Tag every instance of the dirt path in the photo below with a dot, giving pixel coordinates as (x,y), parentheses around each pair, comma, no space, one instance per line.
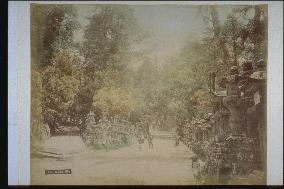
(163,165)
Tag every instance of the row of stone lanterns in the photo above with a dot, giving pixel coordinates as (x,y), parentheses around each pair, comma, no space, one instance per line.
(239,108)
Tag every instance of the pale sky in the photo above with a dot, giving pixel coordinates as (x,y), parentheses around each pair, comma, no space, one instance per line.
(169,26)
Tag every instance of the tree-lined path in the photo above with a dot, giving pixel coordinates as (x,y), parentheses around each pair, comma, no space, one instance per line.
(165,164)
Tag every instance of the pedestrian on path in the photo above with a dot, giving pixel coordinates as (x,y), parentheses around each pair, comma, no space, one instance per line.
(150,141)
(105,140)
(140,142)
(177,140)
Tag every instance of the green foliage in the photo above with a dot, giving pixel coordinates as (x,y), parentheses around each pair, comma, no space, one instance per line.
(61,82)
(69,80)
(107,36)
(50,24)
(114,102)
(185,77)
(111,29)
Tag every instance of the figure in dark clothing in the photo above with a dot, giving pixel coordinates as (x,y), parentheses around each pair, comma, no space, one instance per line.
(177,140)
(178,136)
(140,142)
(150,142)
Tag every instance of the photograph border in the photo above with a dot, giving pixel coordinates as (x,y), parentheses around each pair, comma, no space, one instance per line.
(19,86)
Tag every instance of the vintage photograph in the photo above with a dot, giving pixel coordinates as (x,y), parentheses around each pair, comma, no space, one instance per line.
(125,94)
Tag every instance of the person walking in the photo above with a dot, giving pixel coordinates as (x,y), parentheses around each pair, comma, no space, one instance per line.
(140,142)
(105,142)
(150,141)
(177,136)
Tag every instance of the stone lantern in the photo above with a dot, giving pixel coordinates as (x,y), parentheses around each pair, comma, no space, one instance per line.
(246,97)
(220,127)
(234,103)
(256,113)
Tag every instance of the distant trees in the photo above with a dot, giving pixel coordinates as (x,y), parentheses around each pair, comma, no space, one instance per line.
(107,36)
(184,78)
(114,102)
(69,80)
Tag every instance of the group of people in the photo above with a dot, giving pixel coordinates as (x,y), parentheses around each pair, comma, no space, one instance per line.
(141,141)
(143,133)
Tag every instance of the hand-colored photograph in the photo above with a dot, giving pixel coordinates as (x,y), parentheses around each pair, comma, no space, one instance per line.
(133,94)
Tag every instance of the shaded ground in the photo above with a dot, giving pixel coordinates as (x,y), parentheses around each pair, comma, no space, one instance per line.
(163,165)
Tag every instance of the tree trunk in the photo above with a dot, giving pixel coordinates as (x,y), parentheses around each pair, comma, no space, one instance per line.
(256,35)
(219,38)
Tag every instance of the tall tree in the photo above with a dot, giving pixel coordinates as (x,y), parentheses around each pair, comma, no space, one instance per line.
(52,28)
(48,24)
(231,32)
(110,31)
(62,80)
(220,40)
